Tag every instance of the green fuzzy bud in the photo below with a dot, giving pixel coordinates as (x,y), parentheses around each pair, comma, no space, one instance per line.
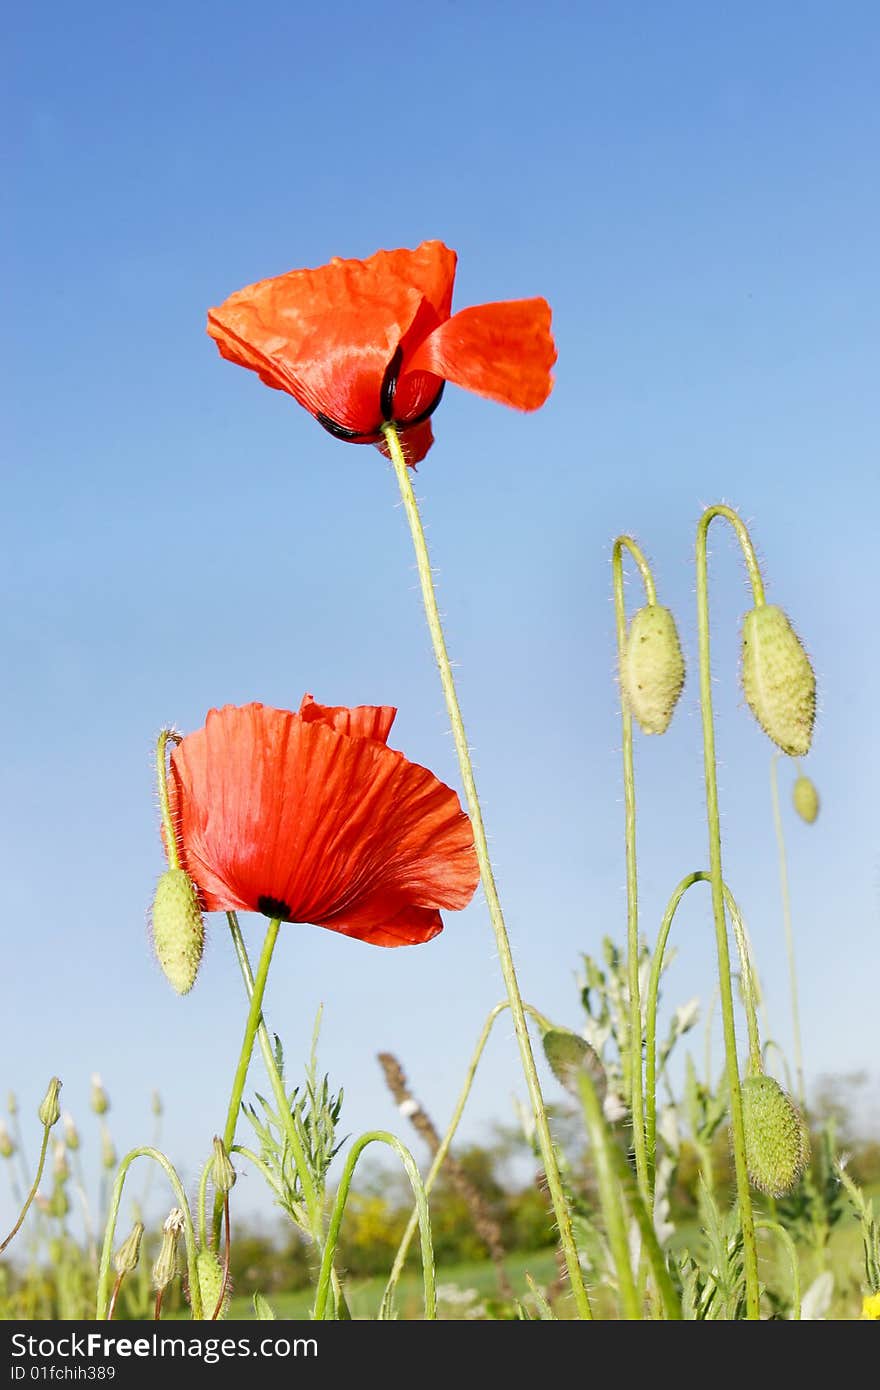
(50,1111)
(210,1273)
(7,1148)
(778,679)
(806,799)
(100,1101)
(568,1055)
(126,1258)
(652,668)
(165,1266)
(222,1170)
(777,1139)
(178,929)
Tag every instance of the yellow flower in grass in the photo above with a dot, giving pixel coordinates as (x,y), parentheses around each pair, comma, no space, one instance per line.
(871,1306)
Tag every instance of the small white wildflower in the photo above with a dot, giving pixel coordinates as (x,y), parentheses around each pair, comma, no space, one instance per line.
(408,1108)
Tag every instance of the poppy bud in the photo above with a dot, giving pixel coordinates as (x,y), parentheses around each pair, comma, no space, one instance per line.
(7,1148)
(166,1261)
(778,679)
(126,1258)
(71,1134)
(210,1273)
(178,929)
(50,1111)
(777,1139)
(568,1055)
(806,799)
(100,1101)
(222,1170)
(652,668)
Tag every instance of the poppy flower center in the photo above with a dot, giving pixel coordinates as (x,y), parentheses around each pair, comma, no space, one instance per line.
(274,907)
(386,407)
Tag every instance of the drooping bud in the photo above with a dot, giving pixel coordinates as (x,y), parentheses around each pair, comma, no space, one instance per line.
(568,1055)
(806,799)
(50,1110)
(166,1261)
(100,1101)
(777,1139)
(126,1258)
(210,1273)
(778,679)
(652,668)
(222,1170)
(178,929)
(71,1133)
(7,1147)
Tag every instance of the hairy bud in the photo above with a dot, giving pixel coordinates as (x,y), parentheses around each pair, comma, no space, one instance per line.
(178,929)
(652,668)
(777,1140)
(778,679)
(806,799)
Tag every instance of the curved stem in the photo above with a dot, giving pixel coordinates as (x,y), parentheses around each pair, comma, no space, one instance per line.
(412,1172)
(782,1233)
(33,1192)
(789,933)
(435,627)
(745,544)
(633,1060)
(110,1231)
(227,1249)
(750,1254)
(258,1164)
(254,1018)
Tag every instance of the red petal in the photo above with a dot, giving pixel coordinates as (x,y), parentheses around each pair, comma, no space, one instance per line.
(272,808)
(408,927)
(364,721)
(326,336)
(503,351)
(416,442)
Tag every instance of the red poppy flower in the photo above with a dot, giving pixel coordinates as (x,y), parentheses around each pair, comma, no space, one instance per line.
(312,818)
(361,343)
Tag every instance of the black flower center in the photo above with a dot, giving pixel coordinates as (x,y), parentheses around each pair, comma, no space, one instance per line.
(274,907)
(386,406)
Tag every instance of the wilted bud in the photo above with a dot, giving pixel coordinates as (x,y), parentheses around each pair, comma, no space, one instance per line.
(100,1101)
(156,1104)
(60,1166)
(778,679)
(50,1111)
(652,668)
(129,1252)
(108,1150)
(166,1261)
(568,1055)
(806,799)
(222,1170)
(71,1133)
(777,1140)
(178,929)
(211,1283)
(7,1148)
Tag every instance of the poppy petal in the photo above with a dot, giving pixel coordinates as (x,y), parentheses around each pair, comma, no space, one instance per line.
(415,442)
(503,351)
(364,721)
(287,816)
(410,926)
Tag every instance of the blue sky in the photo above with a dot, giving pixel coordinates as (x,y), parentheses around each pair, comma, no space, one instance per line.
(694,190)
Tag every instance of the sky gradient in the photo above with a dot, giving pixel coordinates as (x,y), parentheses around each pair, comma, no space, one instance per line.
(695,192)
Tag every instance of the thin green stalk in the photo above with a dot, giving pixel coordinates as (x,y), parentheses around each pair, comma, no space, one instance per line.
(750,1254)
(412,1172)
(435,627)
(633,1060)
(747,977)
(789,933)
(33,1192)
(610,1197)
(110,1232)
(254,1019)
(170,835)
(782,1233)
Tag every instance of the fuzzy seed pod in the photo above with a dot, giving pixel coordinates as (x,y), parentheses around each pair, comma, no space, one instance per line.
(778,679)
(806,799)
(50,1111)
(568,1055)
(178,929)
(126,1258)
(652,668)
(777,1139)
(210,1284)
